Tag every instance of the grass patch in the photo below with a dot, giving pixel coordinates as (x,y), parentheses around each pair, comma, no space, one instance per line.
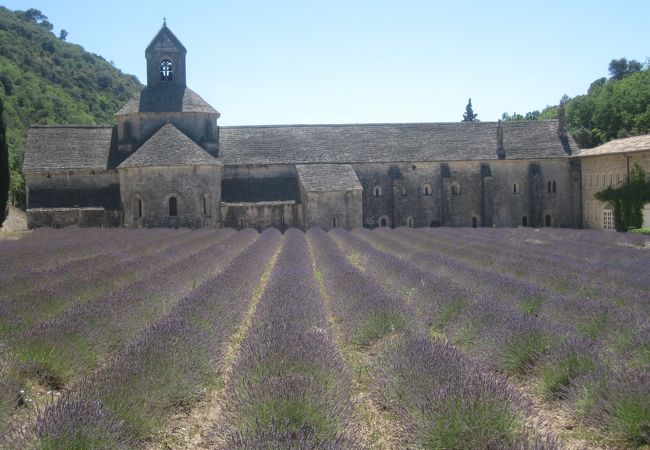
(530,305)
(476,424)
(594,327)
(521,351)
(557,375)
(449,311)
(378,325)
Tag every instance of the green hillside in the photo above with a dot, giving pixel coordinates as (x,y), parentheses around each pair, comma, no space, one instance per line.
(614,107)
(45,80)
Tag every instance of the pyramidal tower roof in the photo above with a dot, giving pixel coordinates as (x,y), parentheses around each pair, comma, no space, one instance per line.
(165,40)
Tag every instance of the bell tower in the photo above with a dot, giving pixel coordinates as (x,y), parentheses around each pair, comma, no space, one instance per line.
(165,60)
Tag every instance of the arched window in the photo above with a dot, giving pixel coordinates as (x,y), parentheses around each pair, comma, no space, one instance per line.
(547,220)
(524,221)
(554,187)
(474,222)
(383,221)
(515,188)
(410,222)
(282,220)
(173,207)
(207,205)
(376,191)
(166,70)
(242,222)
(426,189)
(137,207)
(455,188)
(548,187)
(334,222)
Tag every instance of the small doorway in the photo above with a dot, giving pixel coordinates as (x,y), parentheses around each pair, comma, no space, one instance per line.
(524,221)
(173,207)
(547,220)
(383,222)
(474,222)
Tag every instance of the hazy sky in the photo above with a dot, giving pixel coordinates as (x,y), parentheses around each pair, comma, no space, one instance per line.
(279,62)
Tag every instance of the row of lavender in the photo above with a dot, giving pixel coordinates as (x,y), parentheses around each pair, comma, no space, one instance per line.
(441,398)
(289,386)
(57,352)
(569,345)
(168,366)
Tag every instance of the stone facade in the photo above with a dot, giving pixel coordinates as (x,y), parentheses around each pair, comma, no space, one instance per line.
(167,163)
(610,165)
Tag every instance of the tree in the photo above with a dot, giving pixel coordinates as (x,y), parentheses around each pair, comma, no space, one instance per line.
(628,200)
(4,166)
(469,115)
(63,35)
(620,68)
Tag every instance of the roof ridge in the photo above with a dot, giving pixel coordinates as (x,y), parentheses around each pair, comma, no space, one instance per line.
(70,126)
(373,124)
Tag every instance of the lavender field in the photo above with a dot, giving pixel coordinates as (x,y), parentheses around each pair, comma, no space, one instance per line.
(383,339)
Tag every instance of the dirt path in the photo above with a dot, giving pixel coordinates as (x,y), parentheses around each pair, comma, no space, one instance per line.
(193,429)
(15,225)
(376,429)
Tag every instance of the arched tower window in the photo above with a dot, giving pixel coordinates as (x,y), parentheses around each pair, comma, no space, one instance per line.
(455,188)
(376,191)
(426,189)
(173,207)
(554,187)
(166,70)
(334,222)
(515,188)
(409,222)
(549,187)
(242,223)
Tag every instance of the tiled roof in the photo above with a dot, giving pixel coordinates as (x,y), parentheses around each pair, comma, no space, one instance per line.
(69,147)
(327,177)
(389,142)
(166,99)
(163,40)
(625,145)
(169,147)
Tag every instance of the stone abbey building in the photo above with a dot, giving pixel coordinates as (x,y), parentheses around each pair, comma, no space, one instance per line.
(168,163)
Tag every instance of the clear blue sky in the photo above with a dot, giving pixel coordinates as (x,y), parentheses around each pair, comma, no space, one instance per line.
(277,62)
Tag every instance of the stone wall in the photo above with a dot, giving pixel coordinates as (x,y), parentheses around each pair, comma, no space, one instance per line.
(330,209)
(66,217)
(468,193)
(600,172)
(197,190)
(262,215)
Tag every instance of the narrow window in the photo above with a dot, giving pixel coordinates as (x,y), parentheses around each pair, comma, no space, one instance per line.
(377,191)
(173,210)
(547,220)
(455,188)
(549,187)
(427,190)
(409,222)
(205,206)
(333,222)
(515,188)
(166,70)
(554,187)
(404,192)
(242,223)
(474,222)
(282,220)
(139,207)
(524,221)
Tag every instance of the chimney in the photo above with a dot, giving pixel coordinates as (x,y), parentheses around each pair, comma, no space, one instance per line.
(501,152)
(561,123)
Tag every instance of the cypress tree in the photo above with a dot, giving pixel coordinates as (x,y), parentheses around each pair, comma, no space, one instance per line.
(4,166)
(469,115)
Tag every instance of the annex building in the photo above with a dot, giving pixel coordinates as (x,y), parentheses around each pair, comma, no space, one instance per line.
(168,163)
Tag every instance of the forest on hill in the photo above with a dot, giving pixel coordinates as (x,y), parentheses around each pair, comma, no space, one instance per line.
(46,80)
(614,107)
